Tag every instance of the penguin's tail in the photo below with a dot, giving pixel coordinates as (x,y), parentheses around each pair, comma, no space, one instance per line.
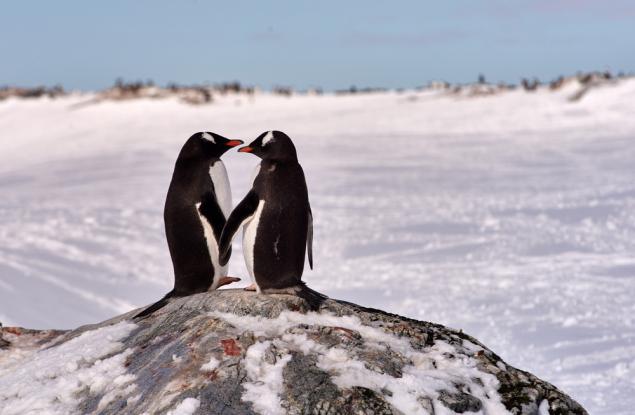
(154,307)
(312,297)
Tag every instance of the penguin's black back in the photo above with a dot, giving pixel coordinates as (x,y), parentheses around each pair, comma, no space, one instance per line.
(193,269)
(281,235)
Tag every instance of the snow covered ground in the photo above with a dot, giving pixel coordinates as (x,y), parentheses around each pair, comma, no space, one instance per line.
(510,216)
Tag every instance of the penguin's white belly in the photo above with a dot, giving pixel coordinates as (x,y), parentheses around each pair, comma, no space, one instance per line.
(218,174)
(212,247)
(250,227)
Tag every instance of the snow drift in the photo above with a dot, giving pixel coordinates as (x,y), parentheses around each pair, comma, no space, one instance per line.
(510,215)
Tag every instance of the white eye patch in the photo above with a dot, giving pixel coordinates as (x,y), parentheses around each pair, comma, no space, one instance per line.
(267,138)
(208,137)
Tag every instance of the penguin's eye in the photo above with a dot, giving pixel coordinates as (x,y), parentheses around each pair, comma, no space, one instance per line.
(208,137)
(267,138)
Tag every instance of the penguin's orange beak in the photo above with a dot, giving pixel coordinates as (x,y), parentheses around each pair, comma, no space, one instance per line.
(233,143)
(246,149)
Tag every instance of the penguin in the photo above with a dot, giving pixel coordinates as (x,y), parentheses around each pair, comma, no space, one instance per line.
(196,207)
(276,219)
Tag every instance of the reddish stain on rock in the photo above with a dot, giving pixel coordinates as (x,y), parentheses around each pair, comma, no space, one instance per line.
(350,333)
(13,330)
(230,347)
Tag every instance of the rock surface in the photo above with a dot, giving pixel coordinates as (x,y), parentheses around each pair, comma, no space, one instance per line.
(236,352)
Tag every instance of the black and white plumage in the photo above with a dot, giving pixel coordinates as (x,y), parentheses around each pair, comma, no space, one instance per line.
(196,207)
(276,219)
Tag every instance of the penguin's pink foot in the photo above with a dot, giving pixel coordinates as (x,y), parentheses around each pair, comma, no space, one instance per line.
(251,287)
(227,280)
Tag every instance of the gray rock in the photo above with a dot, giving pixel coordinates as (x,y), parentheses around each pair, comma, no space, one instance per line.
(346,359)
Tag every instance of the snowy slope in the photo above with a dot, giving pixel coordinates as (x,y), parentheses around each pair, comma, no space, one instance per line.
(511,216)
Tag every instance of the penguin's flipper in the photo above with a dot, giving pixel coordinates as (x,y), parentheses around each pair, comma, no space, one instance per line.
(309,238)
(211,210)
(242,212)
(154,307)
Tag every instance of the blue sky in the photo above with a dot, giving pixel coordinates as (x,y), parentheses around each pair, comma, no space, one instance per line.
(332,44)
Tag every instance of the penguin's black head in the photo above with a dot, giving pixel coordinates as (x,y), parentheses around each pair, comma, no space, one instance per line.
(207,145)
(272,145)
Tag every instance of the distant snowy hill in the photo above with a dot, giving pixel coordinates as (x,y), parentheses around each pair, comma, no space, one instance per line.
(510,215)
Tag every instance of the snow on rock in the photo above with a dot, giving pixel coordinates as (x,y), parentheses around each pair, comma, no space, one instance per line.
(265,381)
(543,409)
(187,407)
(238,352)
(427,373)
(211,365)
(53,378)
